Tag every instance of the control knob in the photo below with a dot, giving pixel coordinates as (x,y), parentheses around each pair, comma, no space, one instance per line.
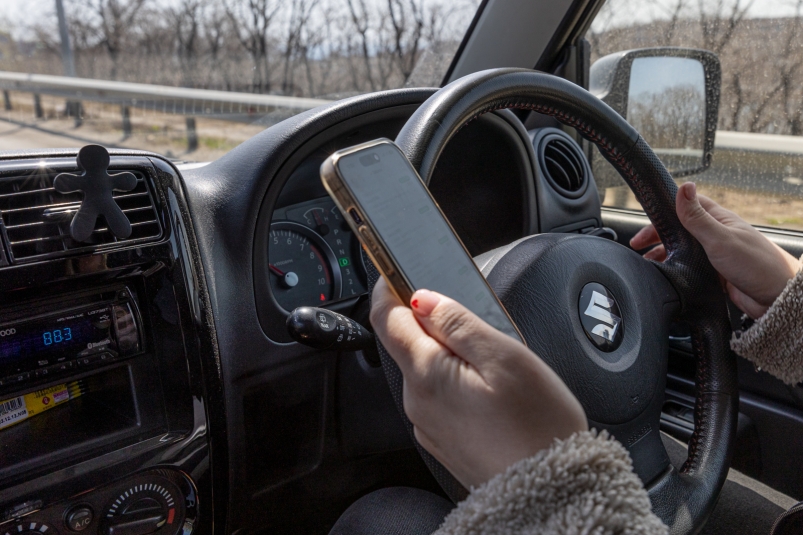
(147,505)
(29,528)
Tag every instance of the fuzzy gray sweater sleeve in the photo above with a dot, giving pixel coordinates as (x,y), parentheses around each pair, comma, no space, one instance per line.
(774,342)
(582,485)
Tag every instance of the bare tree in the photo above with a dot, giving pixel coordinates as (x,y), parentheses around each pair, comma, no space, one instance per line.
(298,19)
(114,20)
(673,118)
(318,38)
(407,21)
(362,22)
(435,30)
(775,106)
(213,30)
(299,47)
(788,66)
(601,31)
(719,24)
(674,11)
(186,23)
(738,104)
(757,122)
(251,21)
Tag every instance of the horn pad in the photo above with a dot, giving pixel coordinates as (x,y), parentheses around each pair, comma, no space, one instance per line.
(541,281)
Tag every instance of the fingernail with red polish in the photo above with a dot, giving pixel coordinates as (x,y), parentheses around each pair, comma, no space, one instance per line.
(690,191)
(424,302)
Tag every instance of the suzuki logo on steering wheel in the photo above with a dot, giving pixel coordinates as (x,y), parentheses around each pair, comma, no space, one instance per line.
(600,317)
(600,308)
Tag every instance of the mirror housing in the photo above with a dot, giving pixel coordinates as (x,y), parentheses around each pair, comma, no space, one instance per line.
(691,87)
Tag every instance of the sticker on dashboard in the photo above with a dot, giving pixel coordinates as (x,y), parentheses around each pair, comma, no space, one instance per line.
(19,409)
(12,411)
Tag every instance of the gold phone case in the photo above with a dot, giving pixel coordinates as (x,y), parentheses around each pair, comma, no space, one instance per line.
(366,233)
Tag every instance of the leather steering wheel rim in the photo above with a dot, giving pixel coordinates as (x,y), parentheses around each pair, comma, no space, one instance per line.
(683,498)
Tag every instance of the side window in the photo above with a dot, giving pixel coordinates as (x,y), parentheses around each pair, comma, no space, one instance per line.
(757,169)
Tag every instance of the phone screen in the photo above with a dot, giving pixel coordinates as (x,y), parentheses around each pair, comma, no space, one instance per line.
(415,232)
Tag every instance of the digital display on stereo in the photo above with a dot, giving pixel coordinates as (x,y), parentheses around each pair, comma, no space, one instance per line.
(66,336)
(53,336)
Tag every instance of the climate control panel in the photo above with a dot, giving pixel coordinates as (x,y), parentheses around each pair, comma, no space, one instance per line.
(158,502)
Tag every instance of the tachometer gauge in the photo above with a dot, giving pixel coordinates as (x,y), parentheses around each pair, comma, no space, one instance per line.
(303,269)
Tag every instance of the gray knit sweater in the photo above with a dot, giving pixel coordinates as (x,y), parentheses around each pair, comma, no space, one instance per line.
(775,341)
(585,485)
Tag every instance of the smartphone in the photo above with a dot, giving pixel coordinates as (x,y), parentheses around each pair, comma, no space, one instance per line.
(404,231)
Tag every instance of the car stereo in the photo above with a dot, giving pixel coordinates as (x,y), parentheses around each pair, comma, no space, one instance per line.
(37,347)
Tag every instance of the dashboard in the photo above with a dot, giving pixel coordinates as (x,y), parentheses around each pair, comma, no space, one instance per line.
(488,182)
(176,401)
(103,415)
(314,257)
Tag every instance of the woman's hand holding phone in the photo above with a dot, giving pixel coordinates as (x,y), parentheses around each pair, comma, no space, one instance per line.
(479,400)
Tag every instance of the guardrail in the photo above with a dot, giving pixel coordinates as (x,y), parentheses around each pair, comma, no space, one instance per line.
(166,99)
(756,162)
(747,141)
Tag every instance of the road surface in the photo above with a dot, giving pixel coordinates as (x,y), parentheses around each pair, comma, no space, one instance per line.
(16,137)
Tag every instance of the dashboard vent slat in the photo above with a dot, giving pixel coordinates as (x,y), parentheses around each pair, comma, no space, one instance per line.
(40,207)
(563,164)
(36,218)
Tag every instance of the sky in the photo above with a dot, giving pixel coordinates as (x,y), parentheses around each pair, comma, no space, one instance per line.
(655,75)
(630,11)
(12,11)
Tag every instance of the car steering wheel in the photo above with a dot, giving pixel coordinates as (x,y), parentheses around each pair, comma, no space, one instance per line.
(596,311)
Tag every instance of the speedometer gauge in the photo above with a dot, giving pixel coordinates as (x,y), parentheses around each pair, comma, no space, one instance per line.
(303,269)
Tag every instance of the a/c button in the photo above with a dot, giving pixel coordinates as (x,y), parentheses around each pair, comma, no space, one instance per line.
(79,517)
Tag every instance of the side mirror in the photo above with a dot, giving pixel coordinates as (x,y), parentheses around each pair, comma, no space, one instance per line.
(670,95)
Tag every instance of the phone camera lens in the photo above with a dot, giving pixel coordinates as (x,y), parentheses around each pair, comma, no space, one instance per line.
(369,159)
(355,216)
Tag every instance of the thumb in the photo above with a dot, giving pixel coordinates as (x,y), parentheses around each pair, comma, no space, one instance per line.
(695,218)
(457,328)
(745,303)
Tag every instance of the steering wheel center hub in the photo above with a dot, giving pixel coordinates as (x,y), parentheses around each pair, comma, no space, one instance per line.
(595,312)
(601,317)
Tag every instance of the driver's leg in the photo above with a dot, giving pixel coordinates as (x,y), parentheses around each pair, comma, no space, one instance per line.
(394,511)
(745,506)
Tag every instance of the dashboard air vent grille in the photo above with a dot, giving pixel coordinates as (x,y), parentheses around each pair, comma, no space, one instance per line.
(36,217)
(564,166)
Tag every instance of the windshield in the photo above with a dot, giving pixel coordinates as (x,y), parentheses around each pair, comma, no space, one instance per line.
(192,79)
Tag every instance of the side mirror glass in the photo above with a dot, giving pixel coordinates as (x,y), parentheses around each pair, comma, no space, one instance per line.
(670,95)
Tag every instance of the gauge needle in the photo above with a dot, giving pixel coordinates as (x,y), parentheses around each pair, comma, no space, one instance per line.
(289,279)
(317,217)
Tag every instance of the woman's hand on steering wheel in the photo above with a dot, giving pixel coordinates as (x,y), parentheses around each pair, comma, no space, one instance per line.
(754,270)
(479,400)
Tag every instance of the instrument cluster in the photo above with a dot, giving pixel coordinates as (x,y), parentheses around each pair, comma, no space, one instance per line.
(314,257)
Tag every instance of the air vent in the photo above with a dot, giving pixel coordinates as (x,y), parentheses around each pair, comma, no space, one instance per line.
(564,165)
(37,218)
